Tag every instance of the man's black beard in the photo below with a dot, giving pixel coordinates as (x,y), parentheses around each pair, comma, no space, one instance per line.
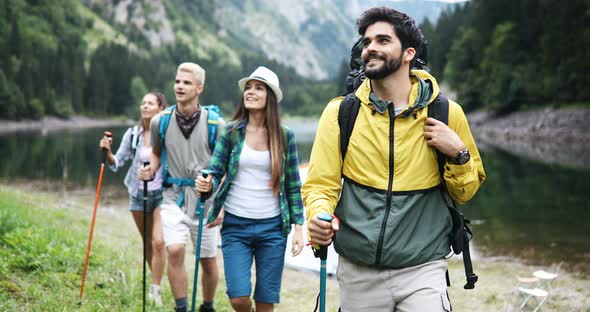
(385,70)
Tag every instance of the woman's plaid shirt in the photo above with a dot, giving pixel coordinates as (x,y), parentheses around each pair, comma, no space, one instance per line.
(225,160)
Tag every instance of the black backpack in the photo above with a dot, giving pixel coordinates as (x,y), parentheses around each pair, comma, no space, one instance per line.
(349,108)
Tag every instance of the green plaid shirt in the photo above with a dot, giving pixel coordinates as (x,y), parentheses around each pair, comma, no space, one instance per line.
(225,161)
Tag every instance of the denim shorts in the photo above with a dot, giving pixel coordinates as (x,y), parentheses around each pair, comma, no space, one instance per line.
(243,240)
(154,200)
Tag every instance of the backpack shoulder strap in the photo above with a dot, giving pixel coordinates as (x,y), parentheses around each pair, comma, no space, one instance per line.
(347,113)
(460,232)
(165,121)
(213,116)
(439,110)
(134,138)
(165,116)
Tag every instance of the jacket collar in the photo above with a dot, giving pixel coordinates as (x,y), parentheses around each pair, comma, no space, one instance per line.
(424,91)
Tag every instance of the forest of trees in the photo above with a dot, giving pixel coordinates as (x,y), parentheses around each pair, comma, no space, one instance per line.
(46,68)
(505,55)
(499,55)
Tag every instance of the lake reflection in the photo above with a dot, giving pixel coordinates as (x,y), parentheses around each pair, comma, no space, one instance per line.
(525,209)
(532,210)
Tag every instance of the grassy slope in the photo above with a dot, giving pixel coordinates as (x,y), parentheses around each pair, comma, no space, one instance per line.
(43,238)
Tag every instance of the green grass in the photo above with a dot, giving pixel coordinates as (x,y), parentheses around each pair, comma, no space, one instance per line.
(42,256)
(43,238)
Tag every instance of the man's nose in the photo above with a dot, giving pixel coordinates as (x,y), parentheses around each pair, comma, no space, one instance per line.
(371,46)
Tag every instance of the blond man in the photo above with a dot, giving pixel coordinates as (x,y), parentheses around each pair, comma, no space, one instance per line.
(180,140)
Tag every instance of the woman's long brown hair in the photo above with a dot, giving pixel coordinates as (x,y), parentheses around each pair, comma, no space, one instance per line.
(272,122)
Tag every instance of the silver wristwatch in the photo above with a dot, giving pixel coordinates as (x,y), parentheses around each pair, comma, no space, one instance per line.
(461,158)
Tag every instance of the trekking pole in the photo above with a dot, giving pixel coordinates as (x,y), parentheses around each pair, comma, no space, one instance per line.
(96,198)
(145,226)
(201,211)
(323,256)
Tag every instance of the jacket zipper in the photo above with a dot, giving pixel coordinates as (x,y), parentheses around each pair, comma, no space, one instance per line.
(389,186)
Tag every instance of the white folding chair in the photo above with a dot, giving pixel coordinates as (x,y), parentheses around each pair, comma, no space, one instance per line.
(538,291)
(536,294)
(545,278)
(515,294)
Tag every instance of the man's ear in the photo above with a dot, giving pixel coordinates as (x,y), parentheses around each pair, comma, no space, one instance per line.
(409,54)
(199,89)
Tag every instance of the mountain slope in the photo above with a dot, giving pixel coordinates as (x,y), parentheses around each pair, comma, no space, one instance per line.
(313,37)
(303,34)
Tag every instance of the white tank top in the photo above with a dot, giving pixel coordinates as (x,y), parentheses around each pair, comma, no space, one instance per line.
(250,195)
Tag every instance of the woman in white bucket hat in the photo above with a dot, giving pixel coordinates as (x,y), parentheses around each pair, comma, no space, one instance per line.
(260,194)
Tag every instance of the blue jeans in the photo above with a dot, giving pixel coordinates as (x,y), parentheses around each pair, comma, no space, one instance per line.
(244,239)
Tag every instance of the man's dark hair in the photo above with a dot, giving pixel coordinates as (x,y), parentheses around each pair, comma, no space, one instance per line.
(405,27)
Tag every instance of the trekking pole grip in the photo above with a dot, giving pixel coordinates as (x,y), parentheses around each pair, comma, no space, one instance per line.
(103,158)
(145,164)
(324,216)
(204,174)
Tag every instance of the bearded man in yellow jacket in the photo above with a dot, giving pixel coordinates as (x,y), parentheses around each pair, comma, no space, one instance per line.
(393,224)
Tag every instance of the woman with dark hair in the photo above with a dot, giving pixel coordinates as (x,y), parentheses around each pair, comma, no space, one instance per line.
(135,146)
(260,194)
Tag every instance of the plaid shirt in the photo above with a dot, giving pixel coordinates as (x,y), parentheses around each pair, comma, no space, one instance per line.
(226,158)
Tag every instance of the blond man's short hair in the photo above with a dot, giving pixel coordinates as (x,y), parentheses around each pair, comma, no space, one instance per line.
(195,69)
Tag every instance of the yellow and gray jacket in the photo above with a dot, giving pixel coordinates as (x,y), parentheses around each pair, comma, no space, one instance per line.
(386,190)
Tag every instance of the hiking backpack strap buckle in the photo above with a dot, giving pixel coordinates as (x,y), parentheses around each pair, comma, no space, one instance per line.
(182,183)
(471,280)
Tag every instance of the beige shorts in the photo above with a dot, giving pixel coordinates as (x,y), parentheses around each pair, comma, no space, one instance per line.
(417,288)
(177,226)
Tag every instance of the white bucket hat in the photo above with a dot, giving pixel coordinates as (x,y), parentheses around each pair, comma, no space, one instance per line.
(268,77)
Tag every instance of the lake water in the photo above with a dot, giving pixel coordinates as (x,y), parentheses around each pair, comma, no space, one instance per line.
(535,212)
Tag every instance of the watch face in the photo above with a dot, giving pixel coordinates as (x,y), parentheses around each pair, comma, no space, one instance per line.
(463,157)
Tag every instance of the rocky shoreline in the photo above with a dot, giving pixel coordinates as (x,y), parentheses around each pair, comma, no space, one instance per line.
(553,136)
